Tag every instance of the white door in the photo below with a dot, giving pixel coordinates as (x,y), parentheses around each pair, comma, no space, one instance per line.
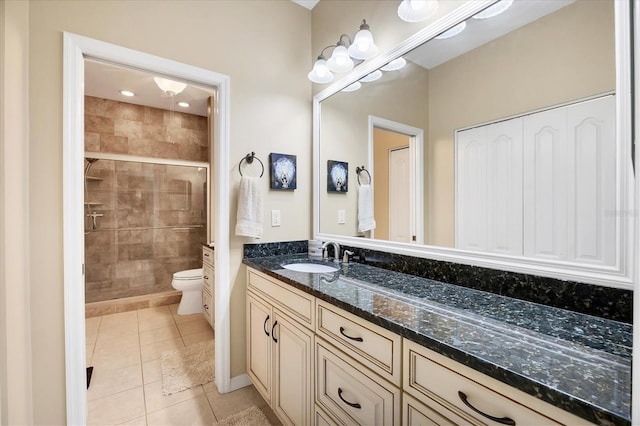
(400,218)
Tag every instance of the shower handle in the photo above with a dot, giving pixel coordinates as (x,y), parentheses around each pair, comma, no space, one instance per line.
(93,217)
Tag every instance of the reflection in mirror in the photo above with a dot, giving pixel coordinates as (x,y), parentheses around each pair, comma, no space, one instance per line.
(534,57)
(530,189)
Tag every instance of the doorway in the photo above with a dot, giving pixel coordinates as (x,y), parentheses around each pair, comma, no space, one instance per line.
(76,50)
(396,158)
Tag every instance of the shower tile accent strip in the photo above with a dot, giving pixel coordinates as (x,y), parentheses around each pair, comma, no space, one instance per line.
(605,302)
(577,362)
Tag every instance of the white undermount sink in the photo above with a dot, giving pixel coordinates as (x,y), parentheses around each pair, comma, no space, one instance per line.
(313,268)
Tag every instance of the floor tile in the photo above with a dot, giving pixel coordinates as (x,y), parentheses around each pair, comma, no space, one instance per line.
(151,371)
(111,358)
(159,334)
(108,382)
(179,319)
(191,339)
(155,312)
(140,421)
(119,320)
(119,341)
(155,400)
(230,403)
(151,323)
(118,408)
(154,350)
(195,326)
(194,411)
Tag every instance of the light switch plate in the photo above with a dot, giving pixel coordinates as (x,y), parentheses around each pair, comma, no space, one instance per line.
(275,217)
(342,216)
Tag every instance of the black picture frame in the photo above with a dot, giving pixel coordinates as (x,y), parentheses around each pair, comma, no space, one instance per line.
(337,176)
(283,171)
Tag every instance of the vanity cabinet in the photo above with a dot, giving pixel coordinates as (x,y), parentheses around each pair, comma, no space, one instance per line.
(437,387)
(280,347)
(208,284)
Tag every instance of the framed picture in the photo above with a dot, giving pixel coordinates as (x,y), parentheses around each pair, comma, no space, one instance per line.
(337,176)
(283,171)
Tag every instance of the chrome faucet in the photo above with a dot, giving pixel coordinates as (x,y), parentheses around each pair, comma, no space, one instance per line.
(336,250)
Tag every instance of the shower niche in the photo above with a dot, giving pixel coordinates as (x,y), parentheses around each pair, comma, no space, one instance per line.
(143,222)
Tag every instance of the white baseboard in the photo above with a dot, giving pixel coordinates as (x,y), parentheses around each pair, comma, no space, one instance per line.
(239,382)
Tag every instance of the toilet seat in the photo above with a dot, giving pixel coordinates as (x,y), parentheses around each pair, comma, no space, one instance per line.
(189,274)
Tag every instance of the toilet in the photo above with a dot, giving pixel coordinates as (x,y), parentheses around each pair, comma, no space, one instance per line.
(189,282)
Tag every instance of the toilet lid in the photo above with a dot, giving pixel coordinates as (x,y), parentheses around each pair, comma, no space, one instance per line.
(189,274)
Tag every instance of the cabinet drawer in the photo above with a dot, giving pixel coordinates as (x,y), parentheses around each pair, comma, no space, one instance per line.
(375,347)
(320,418)
(351,393)
(428,374)
(207,255)
(207,306)
(415,413)
(208,277)
(294,302)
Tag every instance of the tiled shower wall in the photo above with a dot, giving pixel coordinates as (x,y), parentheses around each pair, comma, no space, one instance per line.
(154,215)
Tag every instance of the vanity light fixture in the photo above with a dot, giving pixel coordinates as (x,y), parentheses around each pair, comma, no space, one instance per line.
(184,104)
(417,10)
(127,93)
(346,54)
(395,65)
(493,10)
(169,87)
(371,77)
(452,32)
(352,87)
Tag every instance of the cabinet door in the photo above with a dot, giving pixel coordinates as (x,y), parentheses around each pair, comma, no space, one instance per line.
(259,328)
(292,375)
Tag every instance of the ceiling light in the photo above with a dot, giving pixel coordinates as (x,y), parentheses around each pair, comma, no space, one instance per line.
(371,77)
(452,32)
(127,93)
(352,87)
(169,87)
(493,10)
(363,46)
(417,10)
(394,65)
(184,104)
(320,72)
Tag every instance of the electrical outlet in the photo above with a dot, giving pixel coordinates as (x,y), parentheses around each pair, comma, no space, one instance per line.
(342,216)
(275,217)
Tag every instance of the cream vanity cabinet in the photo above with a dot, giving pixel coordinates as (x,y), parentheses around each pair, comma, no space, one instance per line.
(208,284)
(280,321)
(440,391)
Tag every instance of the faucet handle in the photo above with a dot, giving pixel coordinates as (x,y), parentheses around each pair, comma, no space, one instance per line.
(345,257)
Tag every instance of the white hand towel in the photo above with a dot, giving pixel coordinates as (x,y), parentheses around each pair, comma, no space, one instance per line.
(366,222)
(250,214)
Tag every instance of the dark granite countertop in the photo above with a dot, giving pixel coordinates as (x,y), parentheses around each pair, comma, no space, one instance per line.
(574,361)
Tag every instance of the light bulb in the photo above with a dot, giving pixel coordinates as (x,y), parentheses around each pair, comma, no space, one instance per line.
(417,10)
(320,72)
(363,46)
(340,60)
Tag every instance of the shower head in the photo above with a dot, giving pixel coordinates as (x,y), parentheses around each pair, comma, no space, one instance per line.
(91,160)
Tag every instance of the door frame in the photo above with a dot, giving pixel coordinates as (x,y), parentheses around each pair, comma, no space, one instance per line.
(76,49)
(416,157)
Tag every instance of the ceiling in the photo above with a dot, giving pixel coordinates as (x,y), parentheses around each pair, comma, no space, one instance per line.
(309,4)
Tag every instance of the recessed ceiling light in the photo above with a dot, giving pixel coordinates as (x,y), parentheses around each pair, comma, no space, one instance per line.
(184,104)
(493,10)
(452,32)
(127,93)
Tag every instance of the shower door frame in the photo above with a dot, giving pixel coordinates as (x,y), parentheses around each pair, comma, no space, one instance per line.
(76,49)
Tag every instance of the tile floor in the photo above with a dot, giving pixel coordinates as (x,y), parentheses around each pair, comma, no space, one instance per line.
(126,385)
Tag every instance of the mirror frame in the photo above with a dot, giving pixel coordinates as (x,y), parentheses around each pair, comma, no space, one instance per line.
(619,275)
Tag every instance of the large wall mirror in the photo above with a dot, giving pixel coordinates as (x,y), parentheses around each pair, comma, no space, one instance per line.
(507,145)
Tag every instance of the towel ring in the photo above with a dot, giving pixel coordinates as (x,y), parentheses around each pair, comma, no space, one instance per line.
(362,169)
(249,159)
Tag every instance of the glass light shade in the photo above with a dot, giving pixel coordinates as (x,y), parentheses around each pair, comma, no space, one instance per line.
(417,10)
(352,87)
(363,46)
(320,72)
(371,77)
(127,93)
(493,10)
(452,32)
(169,87)
(394,65)
(340,61)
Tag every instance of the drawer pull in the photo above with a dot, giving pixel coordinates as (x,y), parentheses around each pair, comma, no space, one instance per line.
(273,336)
(351,404)
(205,277)
(264,326)
(501,420)
(206,307)
(357,339)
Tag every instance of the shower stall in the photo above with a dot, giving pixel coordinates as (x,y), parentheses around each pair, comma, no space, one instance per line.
(144,220)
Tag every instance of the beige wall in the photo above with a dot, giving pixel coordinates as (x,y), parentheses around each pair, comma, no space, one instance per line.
(270,111)
(565,56)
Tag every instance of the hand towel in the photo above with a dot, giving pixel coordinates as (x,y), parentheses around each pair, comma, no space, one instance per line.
(366,222)
(250,214)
